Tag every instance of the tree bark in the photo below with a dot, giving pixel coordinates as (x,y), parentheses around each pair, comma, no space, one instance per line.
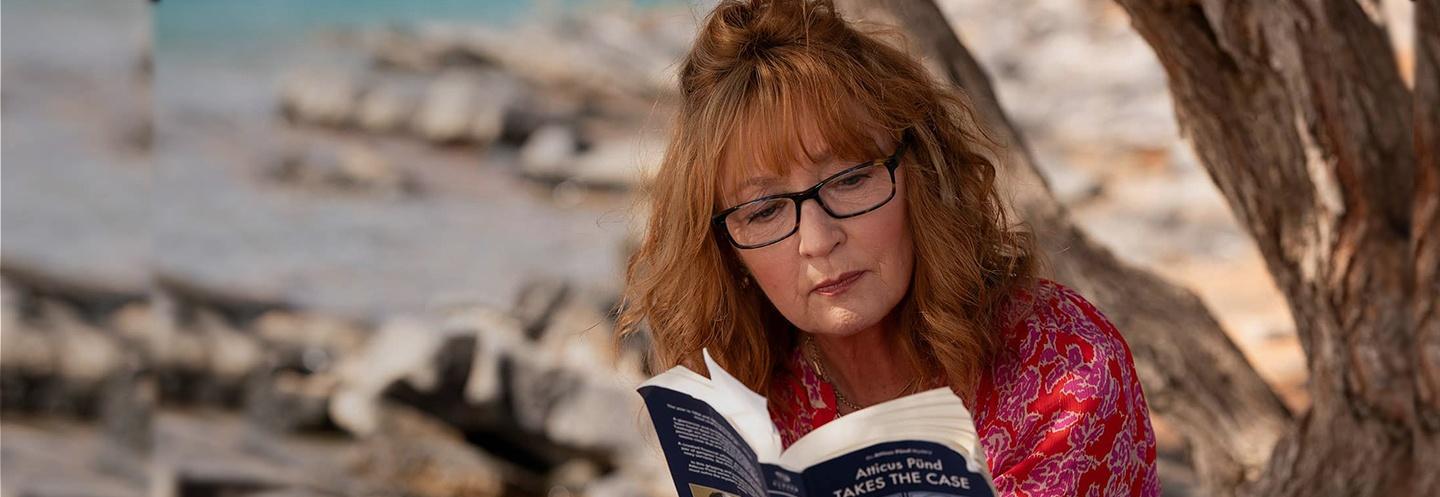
(1301,117)
(1191,372)
(1426,229)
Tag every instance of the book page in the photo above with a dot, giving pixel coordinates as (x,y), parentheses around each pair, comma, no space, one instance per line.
(746,411)
(922,444)
(936,415)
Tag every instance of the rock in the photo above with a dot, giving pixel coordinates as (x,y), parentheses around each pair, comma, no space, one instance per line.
(205,359)
(536,389)
(546,401)
(283,400)
(133,322)
(232,354)
(386,108)
(537,111)
(351,166)
(615,164)
(500,338)
(428,458)
(27,350)
(86,357)
(363,166)
(572,476)
(407,50)
(178,356)
(320,96)
(401,49)
(605,54)
(536,302)
(463,106)
(402,348)
(324,336)
(295,388)
(442,388)
(561,378)
(200,479)
(29,360)
(508,362)
(549,152)
(466,381)
(595,415)
(579,333)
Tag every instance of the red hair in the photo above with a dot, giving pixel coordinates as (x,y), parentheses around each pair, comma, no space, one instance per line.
(760,72)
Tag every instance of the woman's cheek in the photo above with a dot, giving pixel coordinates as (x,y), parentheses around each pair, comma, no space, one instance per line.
(795,299)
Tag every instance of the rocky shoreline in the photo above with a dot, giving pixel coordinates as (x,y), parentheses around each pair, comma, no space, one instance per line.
(470,401)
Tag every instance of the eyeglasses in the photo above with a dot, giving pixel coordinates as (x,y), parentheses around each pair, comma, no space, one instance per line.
(856,190)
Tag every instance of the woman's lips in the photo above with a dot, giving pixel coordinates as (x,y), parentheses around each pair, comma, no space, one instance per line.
(840,285)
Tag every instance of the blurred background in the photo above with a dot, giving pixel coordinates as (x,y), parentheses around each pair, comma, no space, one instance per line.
(371,247)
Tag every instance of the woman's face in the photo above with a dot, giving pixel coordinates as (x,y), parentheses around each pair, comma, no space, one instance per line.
(876,245)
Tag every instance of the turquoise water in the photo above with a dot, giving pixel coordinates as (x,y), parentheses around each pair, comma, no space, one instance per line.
(208,22)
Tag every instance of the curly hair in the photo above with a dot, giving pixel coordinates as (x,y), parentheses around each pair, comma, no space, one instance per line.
(759,72)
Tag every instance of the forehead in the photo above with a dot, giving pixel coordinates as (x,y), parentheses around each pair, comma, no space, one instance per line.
(763,153)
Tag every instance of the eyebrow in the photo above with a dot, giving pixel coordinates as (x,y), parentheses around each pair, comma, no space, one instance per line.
(759,181)
(820,158)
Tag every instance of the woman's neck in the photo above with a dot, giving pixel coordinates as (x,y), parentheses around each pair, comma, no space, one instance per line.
(865,365)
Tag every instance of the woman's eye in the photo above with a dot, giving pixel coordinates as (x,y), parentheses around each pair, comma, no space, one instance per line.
(853,180)
(763,214)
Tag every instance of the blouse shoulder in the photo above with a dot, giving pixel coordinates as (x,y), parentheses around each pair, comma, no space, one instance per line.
(1049,312)
(1062,412)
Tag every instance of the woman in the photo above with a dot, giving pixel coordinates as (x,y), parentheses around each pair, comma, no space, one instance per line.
(826,222)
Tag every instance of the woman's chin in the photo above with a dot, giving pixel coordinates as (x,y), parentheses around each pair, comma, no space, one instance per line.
(841,322)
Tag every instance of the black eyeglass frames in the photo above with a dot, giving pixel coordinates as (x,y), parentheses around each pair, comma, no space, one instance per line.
(766,220)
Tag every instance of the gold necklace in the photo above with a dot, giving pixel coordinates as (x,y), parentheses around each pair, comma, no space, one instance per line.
(814,355)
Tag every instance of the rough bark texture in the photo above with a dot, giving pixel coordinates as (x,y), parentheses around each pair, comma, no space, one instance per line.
(1427,234)
(1192,374)
(1299,113)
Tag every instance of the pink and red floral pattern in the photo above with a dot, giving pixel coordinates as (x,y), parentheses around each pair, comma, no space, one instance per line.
(1060,412)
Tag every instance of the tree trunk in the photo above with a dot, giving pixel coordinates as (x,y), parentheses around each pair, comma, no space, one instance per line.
(1426,243)
(1197,379)
(1298,112)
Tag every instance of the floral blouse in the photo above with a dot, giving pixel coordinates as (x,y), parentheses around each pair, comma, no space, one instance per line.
(1060,412)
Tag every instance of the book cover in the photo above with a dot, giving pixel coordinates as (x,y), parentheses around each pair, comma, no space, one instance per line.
(719,441)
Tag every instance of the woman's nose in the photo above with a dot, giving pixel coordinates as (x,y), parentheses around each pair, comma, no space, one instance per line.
(819,233)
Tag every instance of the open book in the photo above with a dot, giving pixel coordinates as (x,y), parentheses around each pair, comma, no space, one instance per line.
(719,441)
